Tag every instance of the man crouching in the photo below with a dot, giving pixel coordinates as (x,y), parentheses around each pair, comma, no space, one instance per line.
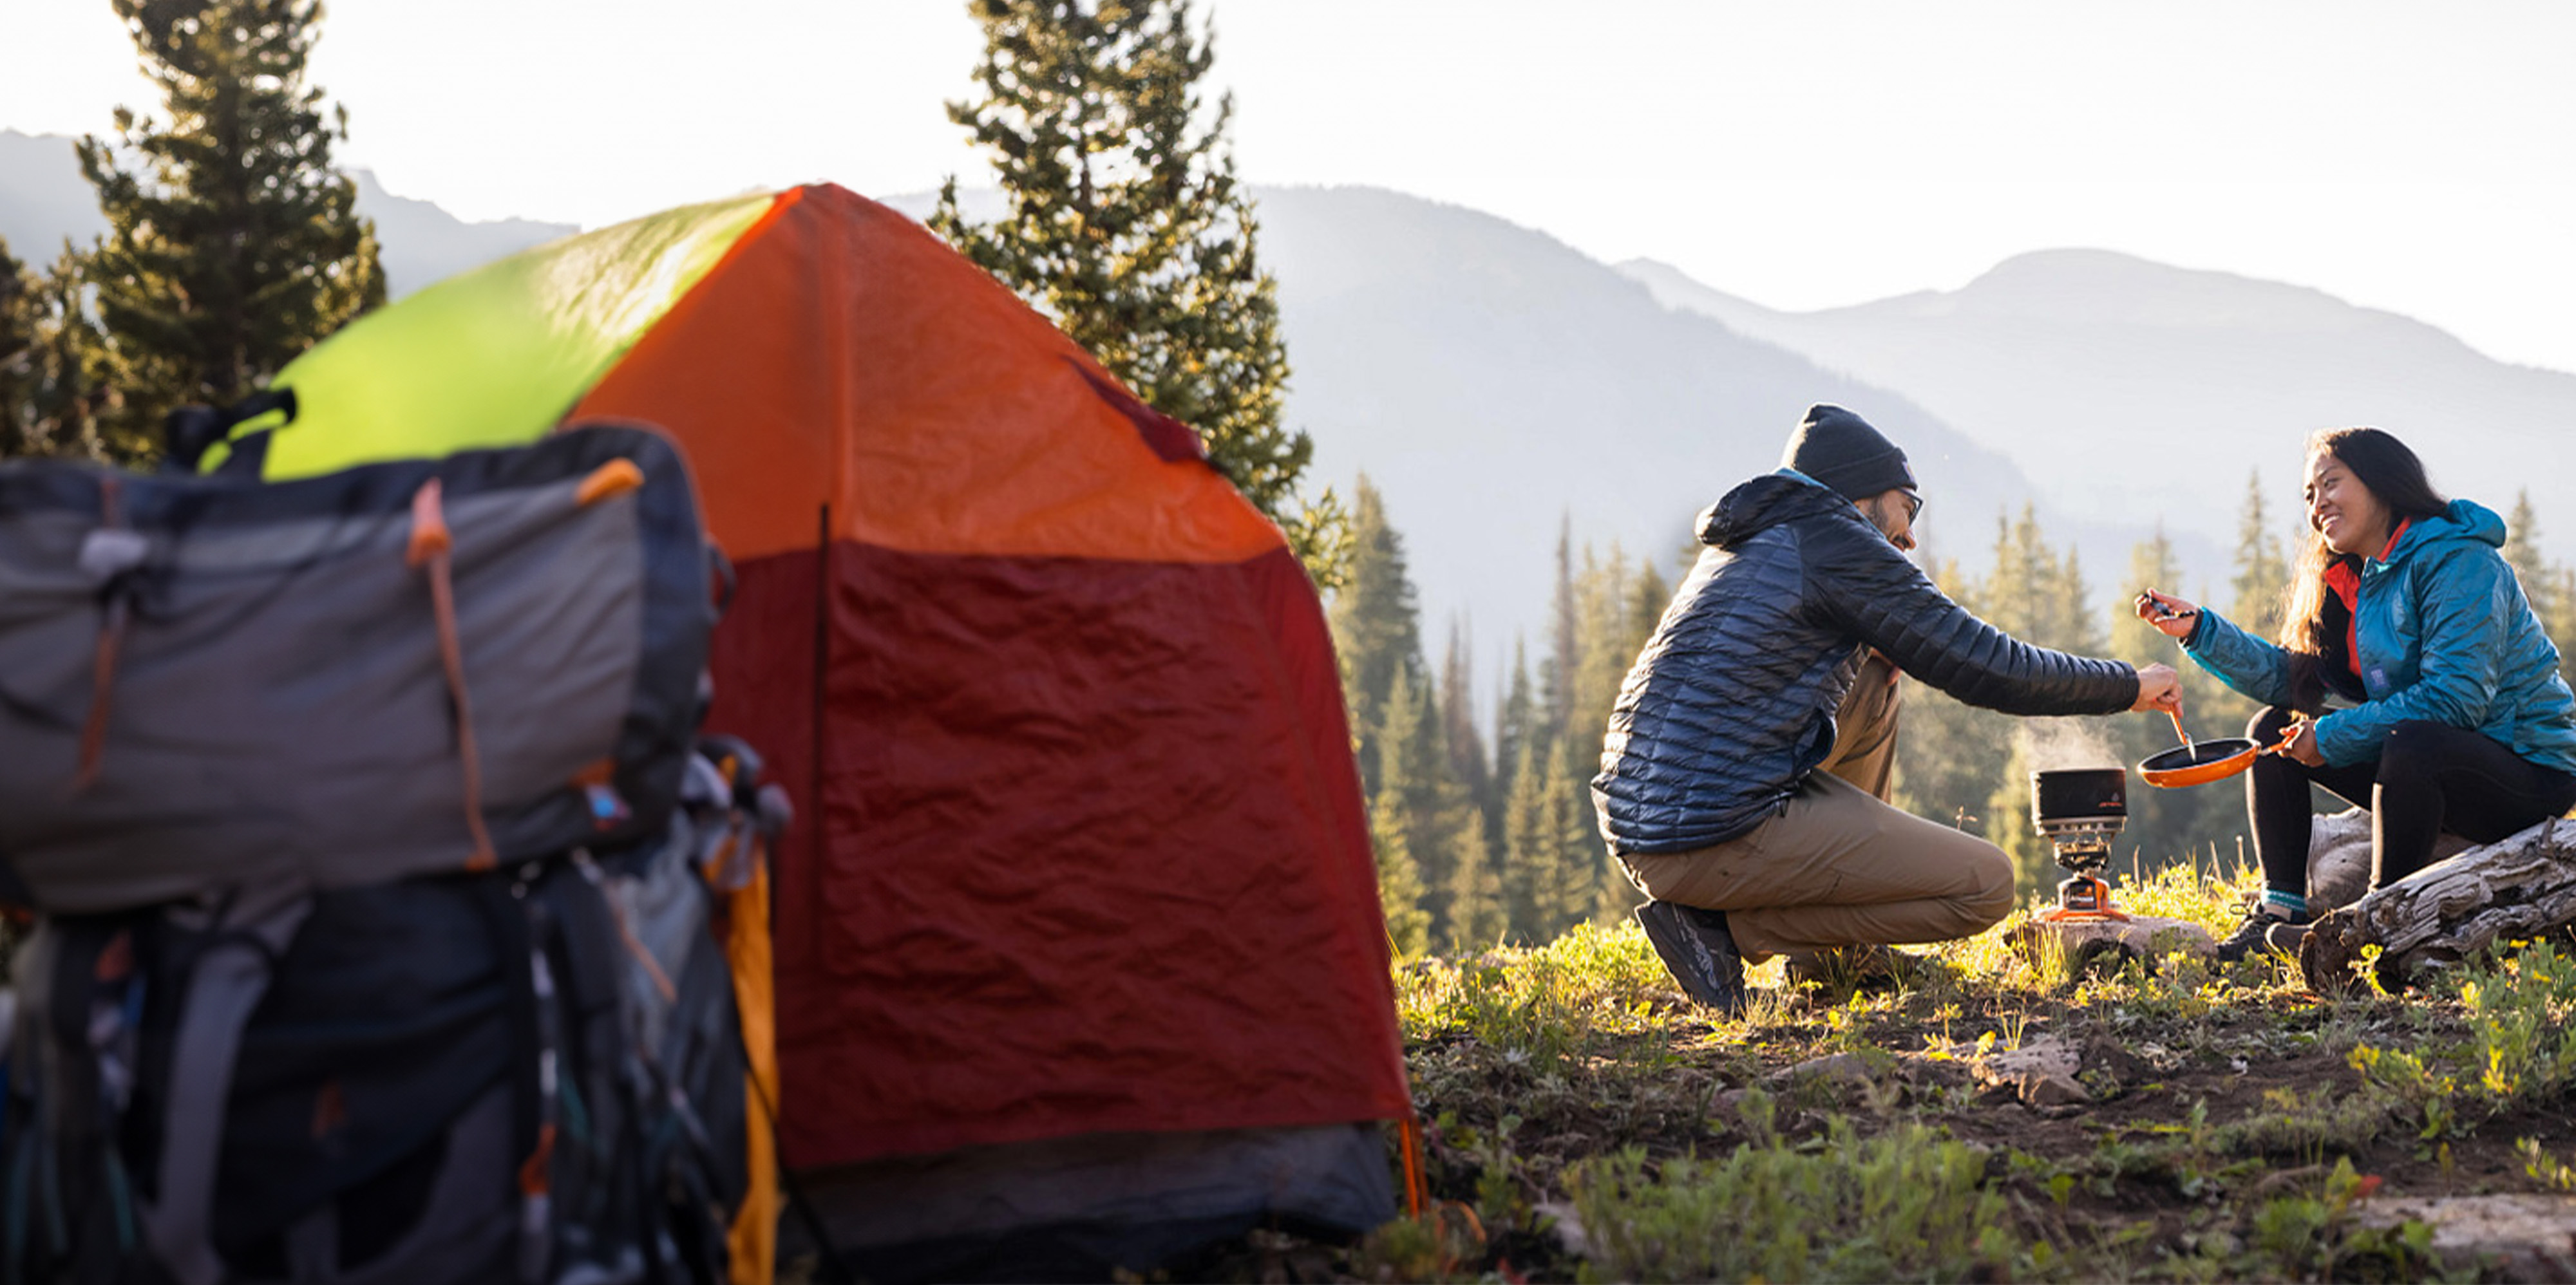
(1744,779)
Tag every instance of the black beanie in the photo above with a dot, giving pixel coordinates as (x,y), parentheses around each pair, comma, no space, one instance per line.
(1842,451)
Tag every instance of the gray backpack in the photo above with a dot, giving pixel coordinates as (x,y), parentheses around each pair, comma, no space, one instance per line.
(365,834)
(405,668)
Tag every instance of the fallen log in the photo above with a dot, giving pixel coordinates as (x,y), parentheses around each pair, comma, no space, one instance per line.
(2516,888)
(2339,857)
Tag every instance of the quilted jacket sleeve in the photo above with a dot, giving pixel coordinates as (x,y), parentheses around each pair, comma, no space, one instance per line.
(1863,584)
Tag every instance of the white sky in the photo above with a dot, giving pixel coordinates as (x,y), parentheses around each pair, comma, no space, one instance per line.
(2408,156)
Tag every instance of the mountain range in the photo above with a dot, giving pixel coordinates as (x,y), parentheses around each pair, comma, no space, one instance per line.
(1499,387)
(2141,390)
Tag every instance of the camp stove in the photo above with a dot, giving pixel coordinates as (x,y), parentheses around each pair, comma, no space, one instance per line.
(2079,811)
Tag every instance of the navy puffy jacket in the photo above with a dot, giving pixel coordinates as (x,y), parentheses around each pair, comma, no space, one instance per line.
(1732,701)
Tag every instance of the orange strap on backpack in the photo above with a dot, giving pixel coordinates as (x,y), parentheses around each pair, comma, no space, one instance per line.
(432,546)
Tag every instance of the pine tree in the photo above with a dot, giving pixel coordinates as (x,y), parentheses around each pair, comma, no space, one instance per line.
(1477,916)
(17,351)
(1565,642)
(1407,870)
(232,244)
(2262,567)
(1125,225)
(1536,860)
(2522,552)
(1377,630)
(53,363)
(1464,745)
(2550,588)
(1517,734)
(1603,651)
(2561,620)
(1562,889)
(1399,877)
(1648,595)
(1442,828)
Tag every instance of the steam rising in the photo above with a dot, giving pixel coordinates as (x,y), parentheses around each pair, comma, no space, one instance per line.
(2048,744)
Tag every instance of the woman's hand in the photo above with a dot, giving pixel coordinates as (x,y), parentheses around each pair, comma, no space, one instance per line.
(2299,742)
(2168,613)
(2159,688)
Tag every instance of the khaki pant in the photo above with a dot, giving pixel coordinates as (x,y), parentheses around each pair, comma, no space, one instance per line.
(1838,866)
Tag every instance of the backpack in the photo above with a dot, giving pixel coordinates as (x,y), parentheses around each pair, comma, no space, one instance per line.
(423,981)
(405,668)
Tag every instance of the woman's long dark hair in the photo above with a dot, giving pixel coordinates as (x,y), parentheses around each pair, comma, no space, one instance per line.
(2312,618)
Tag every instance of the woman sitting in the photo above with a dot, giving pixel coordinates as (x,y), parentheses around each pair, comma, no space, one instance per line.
(2402,609)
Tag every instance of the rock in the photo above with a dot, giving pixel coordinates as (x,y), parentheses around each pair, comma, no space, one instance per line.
(1848,1068)
(1564,1228)
(2054,1091)
(2040,1073)
(2112,1058)
(2531,1237)
(2140,936)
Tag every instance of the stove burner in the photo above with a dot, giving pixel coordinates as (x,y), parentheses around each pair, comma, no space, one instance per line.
(2079,810)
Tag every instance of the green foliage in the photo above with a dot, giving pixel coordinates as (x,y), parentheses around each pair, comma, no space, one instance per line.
(1571,1091)
(2523,1020)
(2319,1237)
(1582,992)
(1905,1204)
(233,244)
(1126,227)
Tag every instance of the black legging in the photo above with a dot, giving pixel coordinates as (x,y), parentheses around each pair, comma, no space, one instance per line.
(2429,777)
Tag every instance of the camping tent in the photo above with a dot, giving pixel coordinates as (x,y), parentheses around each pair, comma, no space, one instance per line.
(1078,948)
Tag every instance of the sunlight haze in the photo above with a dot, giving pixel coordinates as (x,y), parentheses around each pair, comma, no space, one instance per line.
(1809,156)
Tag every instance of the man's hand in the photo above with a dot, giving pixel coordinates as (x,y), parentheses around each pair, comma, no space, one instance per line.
(2160,689)
(2300,743)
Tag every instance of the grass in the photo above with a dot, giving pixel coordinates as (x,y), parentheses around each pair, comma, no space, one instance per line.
(1584,1122)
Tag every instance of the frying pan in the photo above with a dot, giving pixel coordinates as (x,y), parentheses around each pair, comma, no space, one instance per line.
(2200,762)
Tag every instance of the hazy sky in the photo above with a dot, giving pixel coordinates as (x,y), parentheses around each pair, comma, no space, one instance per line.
(2415,157)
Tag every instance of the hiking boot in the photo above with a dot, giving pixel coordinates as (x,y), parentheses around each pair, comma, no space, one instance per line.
(1851,969)
(2285,935)
(1698,951)
(2256,931)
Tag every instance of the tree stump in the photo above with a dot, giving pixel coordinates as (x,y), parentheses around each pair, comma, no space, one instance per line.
(2519,887)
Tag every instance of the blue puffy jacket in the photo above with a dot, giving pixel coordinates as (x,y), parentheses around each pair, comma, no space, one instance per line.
(2443,635)
(1731,703)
